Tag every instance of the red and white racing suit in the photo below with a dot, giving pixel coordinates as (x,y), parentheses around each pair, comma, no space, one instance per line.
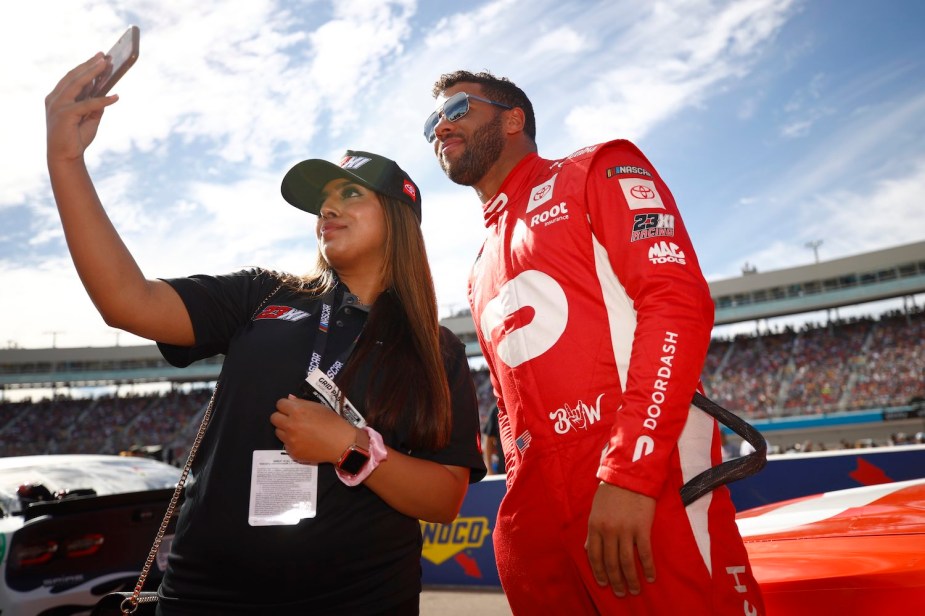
(595,320)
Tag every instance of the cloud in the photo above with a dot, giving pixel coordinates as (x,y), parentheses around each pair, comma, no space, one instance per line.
(836,184)
(657,75)
(807,95)
(66,317)
(857,151)
(227,95)
(882,213)
(798,128)
(886,212)
(805,108)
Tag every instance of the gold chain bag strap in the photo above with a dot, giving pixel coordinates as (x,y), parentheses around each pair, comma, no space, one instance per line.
(130,602)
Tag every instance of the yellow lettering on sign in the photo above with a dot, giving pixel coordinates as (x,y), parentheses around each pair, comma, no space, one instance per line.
(444,541)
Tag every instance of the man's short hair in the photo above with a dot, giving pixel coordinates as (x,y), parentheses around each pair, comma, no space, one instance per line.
(500,89)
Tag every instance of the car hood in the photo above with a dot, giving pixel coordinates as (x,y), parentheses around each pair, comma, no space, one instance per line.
(886,509)
(104,474)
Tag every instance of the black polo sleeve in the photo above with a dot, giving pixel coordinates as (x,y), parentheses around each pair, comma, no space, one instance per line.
(465,448)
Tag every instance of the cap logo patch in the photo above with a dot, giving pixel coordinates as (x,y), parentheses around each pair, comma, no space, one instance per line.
(408,189)
(354,162)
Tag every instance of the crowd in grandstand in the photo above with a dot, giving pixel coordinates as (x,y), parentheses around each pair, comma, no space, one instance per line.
(840,366)
(105,424)
(820,368)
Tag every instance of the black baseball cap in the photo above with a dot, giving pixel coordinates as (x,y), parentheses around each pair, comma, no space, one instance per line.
(303,183)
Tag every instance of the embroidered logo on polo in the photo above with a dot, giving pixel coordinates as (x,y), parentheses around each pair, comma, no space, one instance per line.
(281,313)
(354,162)
(641,194)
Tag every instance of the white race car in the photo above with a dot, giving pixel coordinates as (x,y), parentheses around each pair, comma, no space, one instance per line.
(75,527)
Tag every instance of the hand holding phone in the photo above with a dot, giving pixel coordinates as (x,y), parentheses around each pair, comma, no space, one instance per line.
(121,58)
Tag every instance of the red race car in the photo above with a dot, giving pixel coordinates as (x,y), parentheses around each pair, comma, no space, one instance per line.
(857,551)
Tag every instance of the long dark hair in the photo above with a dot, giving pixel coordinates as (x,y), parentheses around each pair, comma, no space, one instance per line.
(402,333)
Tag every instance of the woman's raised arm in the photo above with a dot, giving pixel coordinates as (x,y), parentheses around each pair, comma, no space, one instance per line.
(119,290)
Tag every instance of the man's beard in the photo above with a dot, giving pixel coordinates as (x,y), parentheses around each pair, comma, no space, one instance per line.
(481,152)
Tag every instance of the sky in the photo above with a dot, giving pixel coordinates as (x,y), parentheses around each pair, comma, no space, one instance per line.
(775,123)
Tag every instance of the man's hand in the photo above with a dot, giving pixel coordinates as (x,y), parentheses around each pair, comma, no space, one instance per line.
(619,528)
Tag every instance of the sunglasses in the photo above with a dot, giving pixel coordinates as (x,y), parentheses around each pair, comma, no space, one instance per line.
(452,109)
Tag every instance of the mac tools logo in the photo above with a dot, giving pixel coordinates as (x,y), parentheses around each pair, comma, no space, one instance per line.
(666,252)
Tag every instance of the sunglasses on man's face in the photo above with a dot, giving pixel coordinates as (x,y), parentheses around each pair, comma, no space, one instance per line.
(452,109)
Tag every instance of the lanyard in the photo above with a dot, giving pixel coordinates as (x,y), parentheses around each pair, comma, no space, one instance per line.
(330,300)
(323,389)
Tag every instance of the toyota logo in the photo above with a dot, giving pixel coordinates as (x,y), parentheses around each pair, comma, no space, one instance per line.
(642,192)
(542,192)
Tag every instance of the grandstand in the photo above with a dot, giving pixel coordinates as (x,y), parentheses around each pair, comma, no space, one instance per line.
(830,384)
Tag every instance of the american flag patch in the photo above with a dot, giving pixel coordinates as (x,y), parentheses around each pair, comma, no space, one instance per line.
(523,441)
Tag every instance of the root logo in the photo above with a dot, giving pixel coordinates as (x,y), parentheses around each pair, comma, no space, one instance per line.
(445,541)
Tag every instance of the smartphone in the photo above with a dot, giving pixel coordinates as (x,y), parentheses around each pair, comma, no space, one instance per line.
(121,58)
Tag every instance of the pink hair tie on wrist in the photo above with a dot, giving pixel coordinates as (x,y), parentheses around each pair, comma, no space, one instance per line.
(377,453)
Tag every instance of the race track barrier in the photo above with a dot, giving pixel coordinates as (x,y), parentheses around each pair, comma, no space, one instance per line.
(461,553)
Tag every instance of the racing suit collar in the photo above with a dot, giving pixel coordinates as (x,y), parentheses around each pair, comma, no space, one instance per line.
(522,174)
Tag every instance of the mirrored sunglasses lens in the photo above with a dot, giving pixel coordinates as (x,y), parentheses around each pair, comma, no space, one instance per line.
(430,125)
(456,107)
(452,109)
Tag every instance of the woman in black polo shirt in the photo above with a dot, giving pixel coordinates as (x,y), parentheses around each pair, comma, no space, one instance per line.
(295,509)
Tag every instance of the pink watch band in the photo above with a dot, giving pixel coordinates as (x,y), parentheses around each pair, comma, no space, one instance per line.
(377,453)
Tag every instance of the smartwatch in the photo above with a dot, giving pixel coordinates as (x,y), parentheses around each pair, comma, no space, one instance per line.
(353,460)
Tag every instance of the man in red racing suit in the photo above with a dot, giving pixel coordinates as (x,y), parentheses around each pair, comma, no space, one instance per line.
(594,319)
